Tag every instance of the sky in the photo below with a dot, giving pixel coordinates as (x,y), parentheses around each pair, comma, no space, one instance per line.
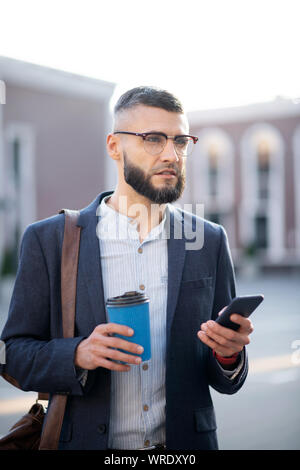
(211,54)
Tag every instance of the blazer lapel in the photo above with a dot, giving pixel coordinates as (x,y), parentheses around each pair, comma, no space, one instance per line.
(176,257)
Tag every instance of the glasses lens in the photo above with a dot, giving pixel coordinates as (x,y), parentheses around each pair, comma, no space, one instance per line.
(154,143)
(184,145)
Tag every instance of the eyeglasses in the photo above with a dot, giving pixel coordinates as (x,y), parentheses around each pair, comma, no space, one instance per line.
(155,142)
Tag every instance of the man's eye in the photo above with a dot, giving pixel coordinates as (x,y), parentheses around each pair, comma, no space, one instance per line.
(182,141)
(155,139)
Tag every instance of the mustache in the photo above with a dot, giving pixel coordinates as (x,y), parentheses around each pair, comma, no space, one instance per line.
(169,167)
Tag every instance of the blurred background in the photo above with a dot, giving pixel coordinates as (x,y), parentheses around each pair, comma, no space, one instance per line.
(234,66)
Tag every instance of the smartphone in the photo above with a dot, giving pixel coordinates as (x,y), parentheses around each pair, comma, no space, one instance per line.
(243,305)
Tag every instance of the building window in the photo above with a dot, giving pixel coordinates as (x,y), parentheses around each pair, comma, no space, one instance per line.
(19,190)
(263,169)
(261,231)
(16,183)
(213,177)
(261,211)
(213,171)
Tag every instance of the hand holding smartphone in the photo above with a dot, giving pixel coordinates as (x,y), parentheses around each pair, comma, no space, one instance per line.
(243,305)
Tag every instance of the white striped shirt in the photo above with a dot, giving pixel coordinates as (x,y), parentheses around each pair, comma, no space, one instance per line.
(137,415)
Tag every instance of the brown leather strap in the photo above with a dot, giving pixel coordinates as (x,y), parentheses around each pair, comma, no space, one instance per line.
(53,423)
(69,266)
(43,396)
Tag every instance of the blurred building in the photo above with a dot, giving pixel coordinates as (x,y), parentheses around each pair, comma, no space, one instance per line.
(246,170)
(52,146)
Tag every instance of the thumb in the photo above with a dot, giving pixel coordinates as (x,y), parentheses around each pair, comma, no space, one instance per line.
(221,311)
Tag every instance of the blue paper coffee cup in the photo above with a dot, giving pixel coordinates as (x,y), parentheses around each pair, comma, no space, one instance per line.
(132,309)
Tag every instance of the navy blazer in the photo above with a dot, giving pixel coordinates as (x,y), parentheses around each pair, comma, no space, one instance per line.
(200,283)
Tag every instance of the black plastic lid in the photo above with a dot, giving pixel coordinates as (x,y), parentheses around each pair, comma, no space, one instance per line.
(129,298)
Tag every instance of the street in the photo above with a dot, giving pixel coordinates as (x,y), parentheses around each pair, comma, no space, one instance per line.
(265,413)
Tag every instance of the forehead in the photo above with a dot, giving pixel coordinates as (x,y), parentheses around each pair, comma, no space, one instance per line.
(147,118)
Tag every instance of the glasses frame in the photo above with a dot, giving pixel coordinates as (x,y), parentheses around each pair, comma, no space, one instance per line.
(171,137)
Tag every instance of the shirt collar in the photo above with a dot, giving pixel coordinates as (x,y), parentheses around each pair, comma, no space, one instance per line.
(125,224)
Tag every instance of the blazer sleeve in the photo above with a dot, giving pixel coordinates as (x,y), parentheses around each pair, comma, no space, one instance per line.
(34,358)
(225,291)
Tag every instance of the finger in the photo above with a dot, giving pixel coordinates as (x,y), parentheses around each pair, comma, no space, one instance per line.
(110,328)
(214,327)
(245,324)
(219,349)
(231,340)
(117,355)
(221,311)
(119,343)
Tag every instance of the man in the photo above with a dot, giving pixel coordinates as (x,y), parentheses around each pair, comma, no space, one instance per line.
(132,404)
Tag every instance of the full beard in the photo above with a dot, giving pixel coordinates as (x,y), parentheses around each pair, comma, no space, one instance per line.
(141,183)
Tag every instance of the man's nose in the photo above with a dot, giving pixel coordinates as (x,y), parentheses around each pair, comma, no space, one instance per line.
(169,152)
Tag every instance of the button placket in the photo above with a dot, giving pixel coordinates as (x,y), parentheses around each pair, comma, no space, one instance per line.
(146,400)
(140,261)
(132,230)
(145,367)
(138,274)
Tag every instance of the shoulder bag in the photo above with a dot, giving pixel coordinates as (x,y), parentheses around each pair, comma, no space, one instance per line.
(37,430)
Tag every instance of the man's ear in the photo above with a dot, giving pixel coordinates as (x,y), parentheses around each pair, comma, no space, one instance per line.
(113,146)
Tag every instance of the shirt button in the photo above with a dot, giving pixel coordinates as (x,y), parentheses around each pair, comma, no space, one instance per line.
(147,443)
(145,407)
(142,287)
(101,428)
(140,250)
(145,366)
